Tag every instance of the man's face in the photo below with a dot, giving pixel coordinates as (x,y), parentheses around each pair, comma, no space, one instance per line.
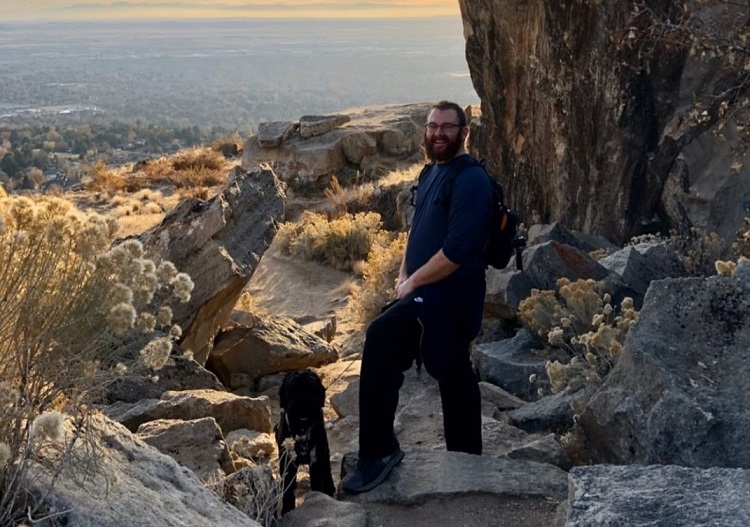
(443,137)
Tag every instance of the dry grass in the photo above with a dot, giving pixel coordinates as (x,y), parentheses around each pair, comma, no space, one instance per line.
(741,245)
(341,242)
(379,274)
(197,168)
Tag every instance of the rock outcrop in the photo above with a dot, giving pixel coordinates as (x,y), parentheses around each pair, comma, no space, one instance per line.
(368,141)
(658,495)
(218,243)
(272,345)
(231,412)
(587,122)
(129,483)
(678,392)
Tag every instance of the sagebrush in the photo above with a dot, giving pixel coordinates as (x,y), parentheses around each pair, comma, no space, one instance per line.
(71,306)
(580,319)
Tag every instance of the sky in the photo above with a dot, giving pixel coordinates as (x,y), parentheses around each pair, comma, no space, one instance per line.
(174,9)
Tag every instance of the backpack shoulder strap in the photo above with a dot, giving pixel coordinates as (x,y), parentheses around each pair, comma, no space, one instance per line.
(465,162)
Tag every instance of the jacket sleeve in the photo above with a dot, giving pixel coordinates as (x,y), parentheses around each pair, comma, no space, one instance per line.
(468,216)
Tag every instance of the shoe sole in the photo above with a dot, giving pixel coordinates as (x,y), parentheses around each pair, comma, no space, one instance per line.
(377,481)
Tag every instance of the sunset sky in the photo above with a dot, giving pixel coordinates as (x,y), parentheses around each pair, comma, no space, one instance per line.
(150,9)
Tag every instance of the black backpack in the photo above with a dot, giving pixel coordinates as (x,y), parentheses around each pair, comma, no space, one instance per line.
(503,238)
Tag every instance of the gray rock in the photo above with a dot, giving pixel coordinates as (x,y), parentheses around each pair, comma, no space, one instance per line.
(271,346)
(312,125)
(544,450)
(427,474)
(509,363)
(678,392)
(271,134)
(498,397)
(639,265)
(219,244)
(506,289)
(545,263)
(555,231)
(230,411)
(358,146)
(178,374)
(137,486)
(197,445)
(320,510)
(346,402)
(551,413)
(658,495)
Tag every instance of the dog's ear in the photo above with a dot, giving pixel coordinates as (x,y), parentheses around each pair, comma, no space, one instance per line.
(319,390)
(285,389)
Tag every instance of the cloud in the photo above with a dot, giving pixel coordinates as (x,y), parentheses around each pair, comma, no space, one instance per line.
(103,9)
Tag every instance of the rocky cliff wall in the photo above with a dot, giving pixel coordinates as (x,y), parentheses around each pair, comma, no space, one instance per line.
(590,119)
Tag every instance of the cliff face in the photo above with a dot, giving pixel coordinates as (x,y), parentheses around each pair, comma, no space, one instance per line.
(584,119)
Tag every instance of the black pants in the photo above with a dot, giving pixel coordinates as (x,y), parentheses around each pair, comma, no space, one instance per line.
(438,323)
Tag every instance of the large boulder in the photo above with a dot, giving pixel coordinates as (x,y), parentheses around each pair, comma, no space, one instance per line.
(678,394)
(587,121)
(230,411)
(658,495)
(429,474)
(219,243)
(180,373)
(197,444)
(129,483)
(272,345)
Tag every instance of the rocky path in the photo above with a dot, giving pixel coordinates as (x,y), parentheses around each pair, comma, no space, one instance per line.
(431,487)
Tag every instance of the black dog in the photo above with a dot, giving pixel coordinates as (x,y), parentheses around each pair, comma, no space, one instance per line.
(301,397)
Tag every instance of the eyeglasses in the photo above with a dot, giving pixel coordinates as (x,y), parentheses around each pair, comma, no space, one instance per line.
(446,127)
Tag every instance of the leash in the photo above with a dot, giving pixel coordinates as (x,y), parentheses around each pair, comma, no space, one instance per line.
(355,356)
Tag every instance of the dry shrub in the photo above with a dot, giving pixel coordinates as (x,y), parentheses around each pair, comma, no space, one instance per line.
(581,320)
(741,245)
(200,167)
(73,308)
(254,491)
(350,199)
(340,243)
(379,274)
(699,251)
(104,179)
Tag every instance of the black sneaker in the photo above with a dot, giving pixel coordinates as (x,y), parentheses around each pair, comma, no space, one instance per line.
(371,473)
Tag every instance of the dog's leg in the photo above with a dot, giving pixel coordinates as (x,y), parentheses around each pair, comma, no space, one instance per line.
(287,466)
(320,460)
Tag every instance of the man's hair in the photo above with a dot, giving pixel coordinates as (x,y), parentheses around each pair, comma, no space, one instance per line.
(448,105)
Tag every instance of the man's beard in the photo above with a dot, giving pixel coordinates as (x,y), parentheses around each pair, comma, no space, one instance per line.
(447,153)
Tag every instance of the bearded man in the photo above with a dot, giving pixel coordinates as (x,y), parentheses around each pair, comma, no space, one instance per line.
(438,312)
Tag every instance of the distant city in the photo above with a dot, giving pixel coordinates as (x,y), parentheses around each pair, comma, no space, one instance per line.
(231,74)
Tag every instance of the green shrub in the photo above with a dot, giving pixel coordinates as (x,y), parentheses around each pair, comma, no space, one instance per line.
(75,314)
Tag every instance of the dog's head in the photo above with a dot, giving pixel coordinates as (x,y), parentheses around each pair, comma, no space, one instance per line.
(301,396)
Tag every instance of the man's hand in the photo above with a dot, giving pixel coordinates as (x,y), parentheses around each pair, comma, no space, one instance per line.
(437,268)
(404,287)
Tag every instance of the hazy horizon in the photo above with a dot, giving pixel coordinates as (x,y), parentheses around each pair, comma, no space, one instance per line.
(226,72)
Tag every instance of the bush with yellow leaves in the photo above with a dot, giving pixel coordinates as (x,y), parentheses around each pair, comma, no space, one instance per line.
(71,307)
(379,274)
(581,320)
(342,243)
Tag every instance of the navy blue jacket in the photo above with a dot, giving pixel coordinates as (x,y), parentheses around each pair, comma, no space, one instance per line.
(459,228)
